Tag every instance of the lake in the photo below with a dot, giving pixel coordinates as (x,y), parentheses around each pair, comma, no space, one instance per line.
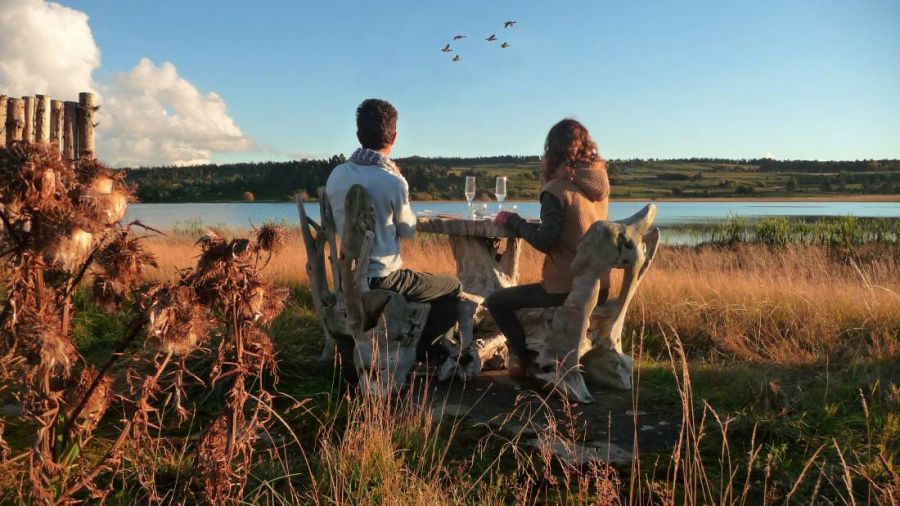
(243,214)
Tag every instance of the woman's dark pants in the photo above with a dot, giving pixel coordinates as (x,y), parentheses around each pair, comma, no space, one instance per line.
(503,304)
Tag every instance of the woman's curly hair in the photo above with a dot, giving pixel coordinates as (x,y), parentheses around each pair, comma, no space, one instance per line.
(568,143)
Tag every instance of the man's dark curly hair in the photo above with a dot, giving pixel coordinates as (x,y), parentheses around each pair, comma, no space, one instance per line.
(376,123)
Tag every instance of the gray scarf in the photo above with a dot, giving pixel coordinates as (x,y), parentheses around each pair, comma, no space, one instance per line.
(364,156)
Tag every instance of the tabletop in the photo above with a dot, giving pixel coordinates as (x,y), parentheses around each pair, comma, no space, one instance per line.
(457,225)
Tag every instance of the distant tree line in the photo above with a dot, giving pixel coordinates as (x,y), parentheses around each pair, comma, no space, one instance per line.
(443,177)
(272,181)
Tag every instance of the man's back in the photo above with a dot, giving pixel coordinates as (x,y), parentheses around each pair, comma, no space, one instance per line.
(371,167)
(393,217)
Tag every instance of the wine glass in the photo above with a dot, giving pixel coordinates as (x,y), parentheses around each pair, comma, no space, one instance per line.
(500,192)
(470,192)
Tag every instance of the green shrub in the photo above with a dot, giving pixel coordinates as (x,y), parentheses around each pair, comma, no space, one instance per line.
(773,231)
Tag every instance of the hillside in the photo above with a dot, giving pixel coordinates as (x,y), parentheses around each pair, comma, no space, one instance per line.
(442,178)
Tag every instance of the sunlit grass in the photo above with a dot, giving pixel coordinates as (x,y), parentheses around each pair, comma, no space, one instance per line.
(793,303)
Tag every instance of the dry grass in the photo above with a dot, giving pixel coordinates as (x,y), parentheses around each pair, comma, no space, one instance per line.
(791,304)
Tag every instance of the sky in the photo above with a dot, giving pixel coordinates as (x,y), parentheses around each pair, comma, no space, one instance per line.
(223,80)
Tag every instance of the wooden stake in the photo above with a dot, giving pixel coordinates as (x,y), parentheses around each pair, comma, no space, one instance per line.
(28,132)
(70,118)
(15,120)
(56,122)
(42,119)
(2,121)
(86,111)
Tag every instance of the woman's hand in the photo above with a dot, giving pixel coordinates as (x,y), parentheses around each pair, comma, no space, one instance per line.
(501,217)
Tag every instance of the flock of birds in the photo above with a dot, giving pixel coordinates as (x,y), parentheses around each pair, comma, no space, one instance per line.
(492,38)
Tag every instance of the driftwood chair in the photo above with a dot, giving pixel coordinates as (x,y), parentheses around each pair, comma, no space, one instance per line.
(582,337)
(377,331)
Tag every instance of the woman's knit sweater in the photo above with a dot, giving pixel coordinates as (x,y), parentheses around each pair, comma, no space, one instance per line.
(568,208)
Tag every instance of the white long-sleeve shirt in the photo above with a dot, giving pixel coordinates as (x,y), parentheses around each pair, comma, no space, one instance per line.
(394,218)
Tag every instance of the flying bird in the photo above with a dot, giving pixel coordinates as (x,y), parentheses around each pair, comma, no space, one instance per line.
(492,38)
(504,45)
(446,49)
(457,37)
(509,24)
(457,58)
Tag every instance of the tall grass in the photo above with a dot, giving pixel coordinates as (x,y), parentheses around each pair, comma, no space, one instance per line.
(795,303)
(790,305)
(398,450)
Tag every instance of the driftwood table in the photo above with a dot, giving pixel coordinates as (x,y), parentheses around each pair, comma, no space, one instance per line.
(487,259)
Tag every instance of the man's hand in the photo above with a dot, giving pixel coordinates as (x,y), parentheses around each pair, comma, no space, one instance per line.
(501,217)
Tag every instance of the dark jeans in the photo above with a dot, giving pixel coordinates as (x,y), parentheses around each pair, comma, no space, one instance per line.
(504,302)
(442,292)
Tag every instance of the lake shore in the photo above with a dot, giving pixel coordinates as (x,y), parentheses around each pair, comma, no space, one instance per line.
(824,198)
(670,211)
(811,198)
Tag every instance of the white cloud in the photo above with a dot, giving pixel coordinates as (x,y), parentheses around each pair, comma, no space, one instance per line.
(152,115)
(149,115)
(45,48)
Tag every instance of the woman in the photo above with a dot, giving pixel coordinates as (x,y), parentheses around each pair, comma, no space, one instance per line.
(574,196)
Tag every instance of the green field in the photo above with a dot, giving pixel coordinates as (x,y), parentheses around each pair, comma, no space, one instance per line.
(684,179)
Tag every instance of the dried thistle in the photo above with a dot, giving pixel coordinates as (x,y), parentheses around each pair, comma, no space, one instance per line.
(263,302)
(270,238)
(211,239)
(95,406)
(70,250)
(124,259)
(107,293)
(226,280)
(42,342)
(176,319)
(221,473)
(53,221)
(102,191)
(260,351)
(32,176)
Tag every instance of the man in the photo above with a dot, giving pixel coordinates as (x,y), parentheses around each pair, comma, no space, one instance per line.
(371,167)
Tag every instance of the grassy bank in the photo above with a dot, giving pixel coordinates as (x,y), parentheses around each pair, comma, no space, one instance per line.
(780,363)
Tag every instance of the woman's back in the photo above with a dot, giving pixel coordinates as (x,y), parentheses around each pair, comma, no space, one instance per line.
(584,200)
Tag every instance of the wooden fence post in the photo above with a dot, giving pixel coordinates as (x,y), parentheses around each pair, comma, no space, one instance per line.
(28,131)
(15,120)
(70,119)
(56,122)
(42,119)
(2,121)
(86,124)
